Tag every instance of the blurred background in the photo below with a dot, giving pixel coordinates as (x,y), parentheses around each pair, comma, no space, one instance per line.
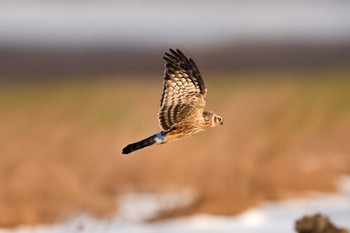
(81,79)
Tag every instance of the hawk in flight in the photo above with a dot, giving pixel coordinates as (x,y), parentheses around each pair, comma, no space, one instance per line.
(182,103)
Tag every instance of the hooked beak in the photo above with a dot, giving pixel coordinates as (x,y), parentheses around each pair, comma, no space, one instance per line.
(222,121)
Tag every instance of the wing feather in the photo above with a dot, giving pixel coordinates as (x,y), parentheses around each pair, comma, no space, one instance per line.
(183,90)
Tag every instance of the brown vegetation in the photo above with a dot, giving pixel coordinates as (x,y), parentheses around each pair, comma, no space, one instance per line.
(317,224)
(284,134)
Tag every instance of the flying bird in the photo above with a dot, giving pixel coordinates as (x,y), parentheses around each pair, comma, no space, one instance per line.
(182,103)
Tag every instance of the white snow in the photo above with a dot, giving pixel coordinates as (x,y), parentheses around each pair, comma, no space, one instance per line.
(271,217)
(144,206)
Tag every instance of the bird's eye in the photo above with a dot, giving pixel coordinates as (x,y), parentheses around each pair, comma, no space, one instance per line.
(218,120)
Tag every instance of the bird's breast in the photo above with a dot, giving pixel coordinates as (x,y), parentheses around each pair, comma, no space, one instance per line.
(183,130)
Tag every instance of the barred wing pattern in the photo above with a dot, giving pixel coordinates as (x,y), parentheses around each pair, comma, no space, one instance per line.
(183,90)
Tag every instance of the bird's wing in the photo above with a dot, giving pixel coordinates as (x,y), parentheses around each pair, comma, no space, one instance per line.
(183,91)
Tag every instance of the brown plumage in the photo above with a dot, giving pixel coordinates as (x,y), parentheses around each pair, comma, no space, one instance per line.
(182,103)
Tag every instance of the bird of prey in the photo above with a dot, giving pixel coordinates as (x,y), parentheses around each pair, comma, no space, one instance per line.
(182,103)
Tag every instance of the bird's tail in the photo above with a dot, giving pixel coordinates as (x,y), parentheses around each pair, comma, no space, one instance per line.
(154,139)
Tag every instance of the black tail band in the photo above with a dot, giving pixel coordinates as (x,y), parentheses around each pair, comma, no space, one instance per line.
(139,145)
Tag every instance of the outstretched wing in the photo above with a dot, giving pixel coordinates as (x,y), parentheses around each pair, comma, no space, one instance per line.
(183,91)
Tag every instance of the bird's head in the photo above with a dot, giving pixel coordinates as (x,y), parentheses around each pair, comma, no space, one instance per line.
(218,120)
(213,118)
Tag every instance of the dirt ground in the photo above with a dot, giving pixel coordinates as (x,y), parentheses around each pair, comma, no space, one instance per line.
(285,134)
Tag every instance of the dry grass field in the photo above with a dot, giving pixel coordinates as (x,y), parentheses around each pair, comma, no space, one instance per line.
(286,133)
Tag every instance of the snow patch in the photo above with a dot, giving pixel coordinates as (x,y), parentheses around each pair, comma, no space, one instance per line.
(274,217)
(144,206)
